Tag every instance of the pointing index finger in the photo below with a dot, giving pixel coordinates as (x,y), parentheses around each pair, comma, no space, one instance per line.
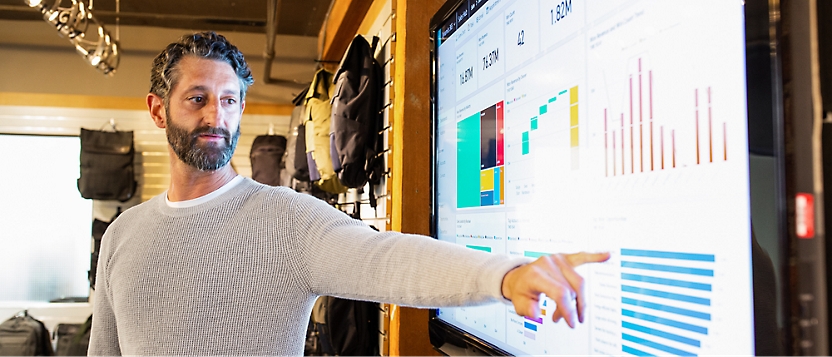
(581,258)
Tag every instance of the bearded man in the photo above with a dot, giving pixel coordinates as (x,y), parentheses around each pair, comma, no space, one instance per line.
(222,265)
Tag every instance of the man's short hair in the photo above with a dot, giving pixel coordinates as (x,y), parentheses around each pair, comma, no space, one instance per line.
(209,45)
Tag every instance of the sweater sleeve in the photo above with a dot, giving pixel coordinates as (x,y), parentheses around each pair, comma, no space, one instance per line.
(104,332)
(343,257)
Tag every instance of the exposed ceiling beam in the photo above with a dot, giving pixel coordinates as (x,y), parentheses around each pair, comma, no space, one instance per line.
(260,22)
(341,25)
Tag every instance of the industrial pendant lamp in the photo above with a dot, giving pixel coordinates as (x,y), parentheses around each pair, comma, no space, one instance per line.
(77,24)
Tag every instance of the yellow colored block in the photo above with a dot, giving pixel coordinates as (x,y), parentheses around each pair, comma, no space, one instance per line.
(487,180)
(503,185)
(573,95)
(574,132)
(573,115)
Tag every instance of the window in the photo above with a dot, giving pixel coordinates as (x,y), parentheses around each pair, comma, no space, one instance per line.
(45,224)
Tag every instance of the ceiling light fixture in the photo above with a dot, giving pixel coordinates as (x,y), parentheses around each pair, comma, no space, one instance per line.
(89,37)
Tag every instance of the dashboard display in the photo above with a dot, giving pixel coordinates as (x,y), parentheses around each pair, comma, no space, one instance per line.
(620,126)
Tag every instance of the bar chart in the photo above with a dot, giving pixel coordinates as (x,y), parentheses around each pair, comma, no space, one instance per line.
(570,97)
(481,163)
(637,141)
(532,325)
(535,334)
(665,301)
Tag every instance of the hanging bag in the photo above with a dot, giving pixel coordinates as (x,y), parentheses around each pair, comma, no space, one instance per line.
(267,158)
(318,151)
(107,165)
(356,115)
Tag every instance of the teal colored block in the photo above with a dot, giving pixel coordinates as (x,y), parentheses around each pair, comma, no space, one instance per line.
(468,162)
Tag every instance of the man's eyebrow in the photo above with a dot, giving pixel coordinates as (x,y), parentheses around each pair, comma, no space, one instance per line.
(202,88)
(230,92)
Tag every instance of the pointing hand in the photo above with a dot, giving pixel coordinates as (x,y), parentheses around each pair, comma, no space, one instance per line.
(555,276)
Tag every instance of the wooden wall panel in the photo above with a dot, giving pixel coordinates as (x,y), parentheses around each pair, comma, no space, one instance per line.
(411,144)
(408,139)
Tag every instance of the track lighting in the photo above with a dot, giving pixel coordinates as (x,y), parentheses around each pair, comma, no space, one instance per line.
(77,24)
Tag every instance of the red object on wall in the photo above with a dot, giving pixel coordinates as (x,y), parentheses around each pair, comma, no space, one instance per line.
(804,205)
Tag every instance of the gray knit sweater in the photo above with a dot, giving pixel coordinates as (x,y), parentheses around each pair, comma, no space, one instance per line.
(238,275)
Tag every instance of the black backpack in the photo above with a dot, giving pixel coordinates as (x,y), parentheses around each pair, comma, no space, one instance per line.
(343,327)
(357,117)
(73,339)
(267,158)
(107,165)
(23,335)
(99,227)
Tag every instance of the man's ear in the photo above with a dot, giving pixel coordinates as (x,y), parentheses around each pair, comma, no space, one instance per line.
(242,107)
(156,107)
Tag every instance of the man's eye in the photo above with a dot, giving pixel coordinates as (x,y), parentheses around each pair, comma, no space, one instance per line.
(231,101)
(196,99)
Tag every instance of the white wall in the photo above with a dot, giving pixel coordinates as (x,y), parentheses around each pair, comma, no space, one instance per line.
(151,159)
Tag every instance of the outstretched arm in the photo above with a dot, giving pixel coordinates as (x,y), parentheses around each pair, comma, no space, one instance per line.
(342,257)
(555,276)
(104,333)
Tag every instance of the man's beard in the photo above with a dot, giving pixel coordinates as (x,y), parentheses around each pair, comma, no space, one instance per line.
(204,157)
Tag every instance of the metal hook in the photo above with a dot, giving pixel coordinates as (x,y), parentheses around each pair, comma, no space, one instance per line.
(112,123)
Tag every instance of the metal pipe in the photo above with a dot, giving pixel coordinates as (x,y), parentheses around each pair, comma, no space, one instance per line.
(272,7)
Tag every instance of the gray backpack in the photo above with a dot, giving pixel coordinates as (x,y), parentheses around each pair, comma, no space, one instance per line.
(73,339)
(23,335)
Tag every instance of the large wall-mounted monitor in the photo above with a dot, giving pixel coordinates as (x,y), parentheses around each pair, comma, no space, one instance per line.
(620,126)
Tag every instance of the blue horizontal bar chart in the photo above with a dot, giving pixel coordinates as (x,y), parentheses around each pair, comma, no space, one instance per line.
(668,282)
(667,268)
(666,308)
(668,255)
(666,322)
(655,345)
(666,300)
(660,333)
(667,295)
(634,352)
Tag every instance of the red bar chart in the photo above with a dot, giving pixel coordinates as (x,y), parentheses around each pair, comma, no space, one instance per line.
(637,144)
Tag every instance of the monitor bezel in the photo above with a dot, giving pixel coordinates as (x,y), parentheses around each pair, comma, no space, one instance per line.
(442,332)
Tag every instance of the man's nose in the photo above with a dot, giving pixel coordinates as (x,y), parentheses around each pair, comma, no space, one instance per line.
(212,113)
